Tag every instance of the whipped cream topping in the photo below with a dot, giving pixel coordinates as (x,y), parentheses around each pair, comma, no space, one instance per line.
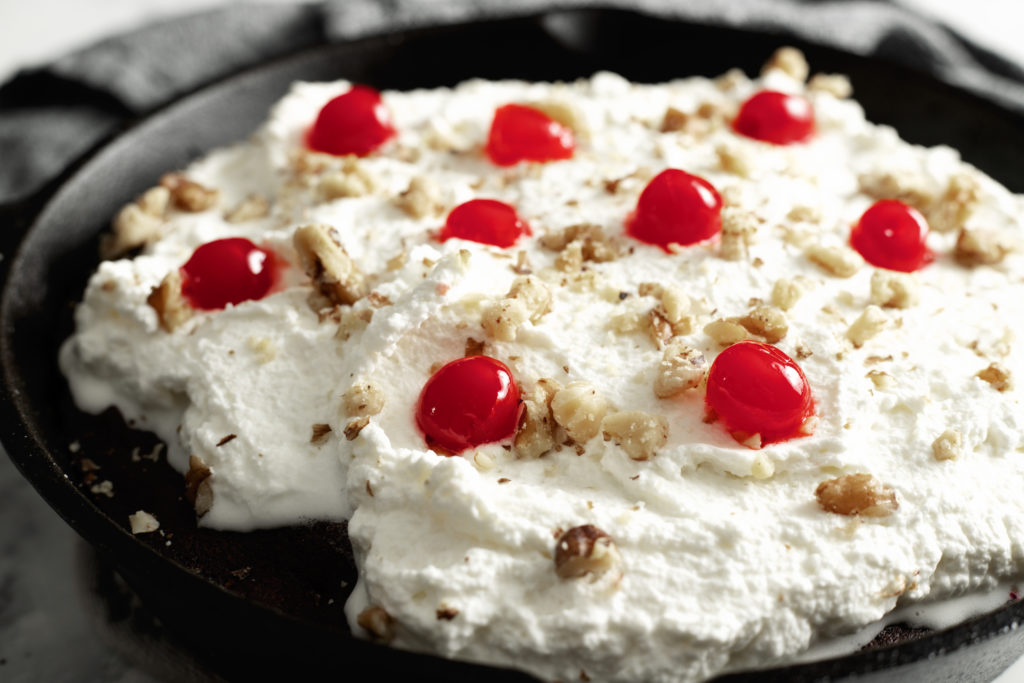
(727,560)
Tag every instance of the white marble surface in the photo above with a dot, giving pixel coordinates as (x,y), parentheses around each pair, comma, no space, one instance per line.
(52,627)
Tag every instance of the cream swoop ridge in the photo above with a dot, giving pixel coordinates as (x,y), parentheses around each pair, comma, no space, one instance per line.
(716,370)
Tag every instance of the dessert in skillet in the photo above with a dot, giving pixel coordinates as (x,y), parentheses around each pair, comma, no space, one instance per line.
(612,381)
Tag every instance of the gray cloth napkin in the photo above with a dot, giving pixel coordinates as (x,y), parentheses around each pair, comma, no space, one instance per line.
(50,116)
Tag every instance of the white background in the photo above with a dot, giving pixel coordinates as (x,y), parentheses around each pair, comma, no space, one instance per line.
(33,32)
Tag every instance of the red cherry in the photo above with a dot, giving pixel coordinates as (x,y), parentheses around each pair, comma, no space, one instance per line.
(468,402)
(355,122)
(227,271)
(775,117)
(755,388)
(892,235)
(676,207)
(487,221)
(521,133)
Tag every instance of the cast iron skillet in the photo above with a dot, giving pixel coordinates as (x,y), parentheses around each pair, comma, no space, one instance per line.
(269,603)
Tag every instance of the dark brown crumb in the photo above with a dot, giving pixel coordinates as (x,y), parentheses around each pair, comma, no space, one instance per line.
(447,613)
(320,433)
(504,480)
(227,438)
(896,633)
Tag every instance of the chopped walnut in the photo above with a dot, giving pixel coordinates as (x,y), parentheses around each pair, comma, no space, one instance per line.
(950,212)
(143,523)
(681,368)
(335,276)
(641,435)
(579,410)
(528,299)
(980,248)
(625,323)
(881,379)
(790,61)
(320,433)
(909,188)
(837,85)
(867,325)
(726,332)
(421,199)
(132,228)
(351,180)
(155,201)
(948,446)
(766,321)
(857,494)
(658,327)
(997,376)
(170,305)
(731,79)
(673,120)
(804,213)
(362,399)
(536,432)
(894,290)
(839,261)
(251,208)
(739,229)
(197,485)
(592,243)
(378,623)
(189,195)
(585,550)
(354,427)
(787,291)
(736,159)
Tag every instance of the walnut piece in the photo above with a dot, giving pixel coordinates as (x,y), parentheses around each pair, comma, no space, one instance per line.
(867,325)
(143,523)
(894,290)
(836,85)
(997,376)
(980,248)
(790,61)
(839,261)
(950,212)
(579,410)
(421,199)
(673,120)
(641,435)
(910,188)
(320,433)
(739,229)
(949,445)
(767,322)
(726,332)
(132,228)
(351,180)
(536,433)
(736,159)
(528,299)
(589,239)
(172,309)
(253,207)
(377,622)
(334,275)
(585,550)
(354,427)
(857,494)
(681,368)
(197,485)
(787,291)
(188,195)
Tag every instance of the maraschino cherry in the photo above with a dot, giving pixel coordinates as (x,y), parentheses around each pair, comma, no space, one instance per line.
(755,388)
(891,234)
(227,271)
(487,221)
(468,402)
(776,117)
(676,207)
(355,122)
(521,133)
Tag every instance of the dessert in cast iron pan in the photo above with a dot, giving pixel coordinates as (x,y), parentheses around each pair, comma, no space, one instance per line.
(272,601)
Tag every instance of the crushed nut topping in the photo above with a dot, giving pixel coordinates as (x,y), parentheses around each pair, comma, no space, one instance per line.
(528,299)
(353,428)
(726,332)
(536,433)
(894,290)
(641,435)
(253,207)
(837,85)
(197,485)
(378,623)
(335,276)
(422,199)
(188,195)
(949,445)
(133,227)
(320,433)
(839,260)
(950,212)
(362,400)
(172,310)
(980,248)
(143,523)
(997,376)
(857,494)
(351,180)
(446,613)
(909,188)
(673,120)
(585,550)
(681,368)
(739,230)
(787,291)
(579,410)
(881,379)
(790,61)
(593,244)
(735,158)
(867,325)
(767,322)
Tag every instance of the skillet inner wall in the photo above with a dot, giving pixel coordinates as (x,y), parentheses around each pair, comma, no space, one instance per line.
(60,251)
